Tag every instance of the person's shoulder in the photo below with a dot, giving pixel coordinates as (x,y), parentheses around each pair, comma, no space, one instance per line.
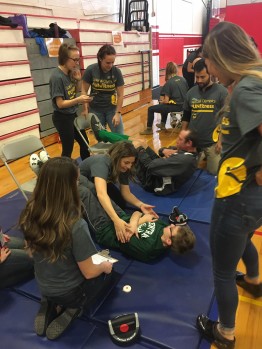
(79,224)
(92,67)
(219,87)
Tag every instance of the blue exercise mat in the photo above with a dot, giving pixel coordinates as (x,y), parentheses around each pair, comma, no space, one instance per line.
(11,206)
(164,204)
(17,326)
(198,202)
(167,295)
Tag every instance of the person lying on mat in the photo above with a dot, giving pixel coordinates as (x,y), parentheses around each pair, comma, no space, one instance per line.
(61,246)
(146,237)
(15,263)
(117,166)
(162,174)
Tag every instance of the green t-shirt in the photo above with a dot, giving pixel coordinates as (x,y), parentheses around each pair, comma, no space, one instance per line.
(103,86)
(149,245)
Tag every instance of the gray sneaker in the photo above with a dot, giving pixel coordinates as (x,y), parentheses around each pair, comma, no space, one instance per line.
(96,126)
(162,126)
(147,131)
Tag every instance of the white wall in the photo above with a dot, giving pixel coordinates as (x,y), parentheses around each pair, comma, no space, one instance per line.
(180,16)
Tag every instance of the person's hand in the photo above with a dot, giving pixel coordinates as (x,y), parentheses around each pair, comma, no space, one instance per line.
(7,237)
(145,208)
(218,147)
(149,218)
(5,252)
(132,230)
(120,228)
(168,152)
(107,267)
(84,99)
(259,177)
(76,74)
(116,119)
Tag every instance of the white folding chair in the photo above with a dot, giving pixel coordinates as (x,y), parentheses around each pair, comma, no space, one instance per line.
(82,123)
(176,121)
(16,149)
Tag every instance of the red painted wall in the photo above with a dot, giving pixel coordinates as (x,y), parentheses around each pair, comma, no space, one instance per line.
(171,47)
(249,18)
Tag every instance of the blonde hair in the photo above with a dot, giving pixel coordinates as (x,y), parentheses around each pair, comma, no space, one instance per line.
(231,50)
(171,70)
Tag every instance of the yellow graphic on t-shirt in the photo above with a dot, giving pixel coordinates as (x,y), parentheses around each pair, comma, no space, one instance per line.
(216,133)
(113,99)
(232,174)
(104,84)
(202,105)
(71,91)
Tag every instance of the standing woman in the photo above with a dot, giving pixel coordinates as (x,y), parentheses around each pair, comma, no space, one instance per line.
(107,89)
(115,167)
(60,243)
(237,211)
(64,84)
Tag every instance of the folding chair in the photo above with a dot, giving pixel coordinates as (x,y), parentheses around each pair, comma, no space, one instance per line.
(16,149)
(176,121)
(82,123)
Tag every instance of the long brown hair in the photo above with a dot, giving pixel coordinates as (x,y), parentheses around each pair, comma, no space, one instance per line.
(117,152)
(231,50)
(50,214)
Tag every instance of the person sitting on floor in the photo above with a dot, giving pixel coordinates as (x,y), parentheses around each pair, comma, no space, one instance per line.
(146,239)
(15,263)
(59,241)
(162,174)
(173,94)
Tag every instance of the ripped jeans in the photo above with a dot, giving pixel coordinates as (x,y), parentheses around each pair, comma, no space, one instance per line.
(234,219)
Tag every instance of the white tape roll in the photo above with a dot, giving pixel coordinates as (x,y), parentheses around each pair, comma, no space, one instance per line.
(127,288)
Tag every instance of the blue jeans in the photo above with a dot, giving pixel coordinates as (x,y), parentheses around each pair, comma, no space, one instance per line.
(106,117)
(233,222)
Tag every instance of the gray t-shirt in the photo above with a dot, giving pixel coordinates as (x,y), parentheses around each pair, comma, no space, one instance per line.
(204,105)
(103,86)
(60,277)
(60,85)
(241,141)
(100,166)
(175,88)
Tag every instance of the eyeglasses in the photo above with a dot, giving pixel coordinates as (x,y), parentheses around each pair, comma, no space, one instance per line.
(76,60)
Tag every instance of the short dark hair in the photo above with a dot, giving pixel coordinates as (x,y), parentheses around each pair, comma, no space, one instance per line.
(200,65)
(192,136)
(184,240)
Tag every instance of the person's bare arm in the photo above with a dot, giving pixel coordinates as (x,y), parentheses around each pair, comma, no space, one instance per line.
(120,98)
(91,270)
(67,103)
(104,199)
(84,90)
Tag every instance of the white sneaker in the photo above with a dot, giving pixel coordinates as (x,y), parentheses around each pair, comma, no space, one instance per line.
(35,163)
(44,157)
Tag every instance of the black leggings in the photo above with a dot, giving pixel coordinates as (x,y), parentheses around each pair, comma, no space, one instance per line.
(64,123)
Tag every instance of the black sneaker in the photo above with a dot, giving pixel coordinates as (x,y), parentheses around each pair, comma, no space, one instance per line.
(45,315)
(58,326)
(96,126)
(177,217)
(255,290)
(208,329)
